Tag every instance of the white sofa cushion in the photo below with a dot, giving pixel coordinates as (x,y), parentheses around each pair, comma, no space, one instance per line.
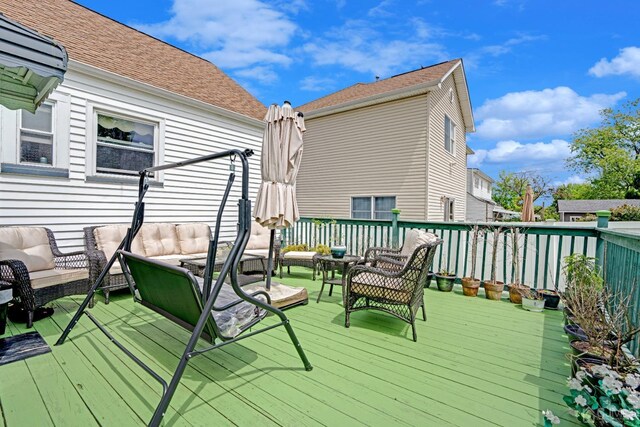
(299,255)
(45,278)
(108,238)
(193,238)
(415,238)
(159,239)
(259,237)
(27,244)
(258,252)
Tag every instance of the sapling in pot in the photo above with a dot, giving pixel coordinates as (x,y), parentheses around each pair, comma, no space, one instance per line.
(516,289)
(493,288)
(470,284)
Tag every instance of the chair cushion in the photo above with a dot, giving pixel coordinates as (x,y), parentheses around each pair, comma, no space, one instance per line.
(299,255)
(160,239)
(27,244)
(258,252)
(45,278)
(259,237)
(415,238)
(379,287)
(108,238)
(193,237)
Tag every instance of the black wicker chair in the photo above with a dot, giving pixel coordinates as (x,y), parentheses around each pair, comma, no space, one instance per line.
(15,272)
(398,292)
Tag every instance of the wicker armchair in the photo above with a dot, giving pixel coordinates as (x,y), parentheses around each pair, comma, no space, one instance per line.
(68,275)
(397,292)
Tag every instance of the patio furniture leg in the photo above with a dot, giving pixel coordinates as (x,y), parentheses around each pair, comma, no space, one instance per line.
(3,317)
(413,328)
(281,270)
(29,319)
(424,313)
(106,296)
(330,290)
(347,322)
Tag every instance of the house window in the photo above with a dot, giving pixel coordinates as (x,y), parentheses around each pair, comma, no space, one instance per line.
(449,135)
(372,207)
(36,136)
(124,145)
(476,182)
(448,209)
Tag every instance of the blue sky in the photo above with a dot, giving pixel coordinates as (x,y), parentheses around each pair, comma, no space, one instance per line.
(537,70)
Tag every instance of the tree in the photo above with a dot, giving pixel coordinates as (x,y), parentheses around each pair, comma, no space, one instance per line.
(611,153)
(509,190)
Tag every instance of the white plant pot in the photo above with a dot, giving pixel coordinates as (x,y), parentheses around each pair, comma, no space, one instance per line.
(534,305)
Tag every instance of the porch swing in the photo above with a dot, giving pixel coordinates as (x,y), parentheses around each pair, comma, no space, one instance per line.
(211,311)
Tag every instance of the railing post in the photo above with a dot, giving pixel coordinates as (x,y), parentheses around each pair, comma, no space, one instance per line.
(395,231)
(603,222)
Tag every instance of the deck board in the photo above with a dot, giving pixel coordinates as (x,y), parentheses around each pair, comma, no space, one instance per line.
(476,362)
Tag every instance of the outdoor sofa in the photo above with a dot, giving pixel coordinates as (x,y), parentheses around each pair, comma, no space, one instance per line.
(31,261)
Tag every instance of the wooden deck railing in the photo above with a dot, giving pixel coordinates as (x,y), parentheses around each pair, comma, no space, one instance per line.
(541,247)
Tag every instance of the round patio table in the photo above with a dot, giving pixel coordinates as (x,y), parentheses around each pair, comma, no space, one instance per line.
(329,263)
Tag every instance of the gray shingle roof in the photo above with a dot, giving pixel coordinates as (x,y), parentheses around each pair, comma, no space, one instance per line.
(590,206)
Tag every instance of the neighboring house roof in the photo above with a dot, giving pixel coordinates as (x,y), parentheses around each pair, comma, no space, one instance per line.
(481,199)
(101,42)
(590,206)
(399,86)
(499,209)
(480,173)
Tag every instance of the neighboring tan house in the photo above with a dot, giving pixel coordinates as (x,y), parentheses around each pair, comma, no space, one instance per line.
(575,210)
(128,101)
(398,142)
(480,205)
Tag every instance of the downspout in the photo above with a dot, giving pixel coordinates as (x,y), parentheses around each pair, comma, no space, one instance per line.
(426,156)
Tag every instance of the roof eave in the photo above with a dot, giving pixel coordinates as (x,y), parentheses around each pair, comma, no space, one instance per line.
(464,98)
(405,92)
(154,90)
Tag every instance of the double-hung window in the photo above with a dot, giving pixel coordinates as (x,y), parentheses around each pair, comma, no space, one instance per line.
(36,136)
(449,135)
(372,207)
(124,145)
(449,205)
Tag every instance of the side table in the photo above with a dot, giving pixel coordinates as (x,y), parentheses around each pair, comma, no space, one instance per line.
(329,263)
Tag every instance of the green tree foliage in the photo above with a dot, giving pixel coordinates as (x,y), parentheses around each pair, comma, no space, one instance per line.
(509,189)
(611,153)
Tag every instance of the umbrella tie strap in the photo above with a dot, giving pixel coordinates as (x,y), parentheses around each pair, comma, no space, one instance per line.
(232,165)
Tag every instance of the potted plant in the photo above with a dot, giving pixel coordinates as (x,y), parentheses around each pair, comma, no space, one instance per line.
(531,301)
(445,280)
(470,284)
(551,298)
(338,248)
(516,289)
(493,288)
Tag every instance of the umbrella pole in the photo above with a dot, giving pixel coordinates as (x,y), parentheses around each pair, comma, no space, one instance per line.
(270,259)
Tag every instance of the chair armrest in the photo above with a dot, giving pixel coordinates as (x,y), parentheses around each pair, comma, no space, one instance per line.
(71,260)
(14,271)
(374,251)
(389,263)
(361,269)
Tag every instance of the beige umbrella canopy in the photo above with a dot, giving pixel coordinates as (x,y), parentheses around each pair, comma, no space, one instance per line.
(276,205)
(527,206)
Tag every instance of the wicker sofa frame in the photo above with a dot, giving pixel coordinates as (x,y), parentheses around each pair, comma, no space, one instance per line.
(15,272)
(399,292)
(296,262)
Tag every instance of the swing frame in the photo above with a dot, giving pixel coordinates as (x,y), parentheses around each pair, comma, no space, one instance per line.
(210,291)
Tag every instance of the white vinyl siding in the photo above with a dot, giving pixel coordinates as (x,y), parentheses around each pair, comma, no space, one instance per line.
(377,150)
(187,194)
(447,174)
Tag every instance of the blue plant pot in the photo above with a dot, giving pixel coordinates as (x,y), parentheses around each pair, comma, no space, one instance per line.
(338,251)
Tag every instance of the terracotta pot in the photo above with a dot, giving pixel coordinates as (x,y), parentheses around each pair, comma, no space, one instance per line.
(470,286)
(493,290)
(516,293)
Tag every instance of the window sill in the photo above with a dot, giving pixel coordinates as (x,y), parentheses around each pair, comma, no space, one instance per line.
(33,170)
(120,180)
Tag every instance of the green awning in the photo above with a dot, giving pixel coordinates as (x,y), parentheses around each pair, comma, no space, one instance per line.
(31,66)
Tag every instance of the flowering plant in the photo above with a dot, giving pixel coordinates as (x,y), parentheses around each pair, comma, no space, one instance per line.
(602,396)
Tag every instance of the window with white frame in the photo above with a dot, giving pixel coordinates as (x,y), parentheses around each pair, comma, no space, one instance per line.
(476,182)
(372,207)
(449,205)
(449,135)
(36,136)
(124,145)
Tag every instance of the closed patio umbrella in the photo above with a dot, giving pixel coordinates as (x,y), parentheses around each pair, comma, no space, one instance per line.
(527,206)
(276,205)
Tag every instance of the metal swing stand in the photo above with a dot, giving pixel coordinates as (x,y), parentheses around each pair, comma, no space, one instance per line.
(209,292)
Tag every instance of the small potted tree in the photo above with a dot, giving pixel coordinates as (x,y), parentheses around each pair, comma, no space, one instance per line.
(470,284)
(516,289)
(445,280)
(493,288)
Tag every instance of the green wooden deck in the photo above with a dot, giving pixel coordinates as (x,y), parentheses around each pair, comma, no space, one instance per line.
(476,362)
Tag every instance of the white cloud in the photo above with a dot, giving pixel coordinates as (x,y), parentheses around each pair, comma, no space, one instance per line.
(261,74)
(317,84)
(233,34)
(473,59)
(358,46)
(525,154)
(627,62)
(573,179)
(535,114)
